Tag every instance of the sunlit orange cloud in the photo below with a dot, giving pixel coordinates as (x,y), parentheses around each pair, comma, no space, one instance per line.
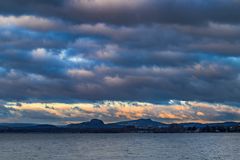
(112,111)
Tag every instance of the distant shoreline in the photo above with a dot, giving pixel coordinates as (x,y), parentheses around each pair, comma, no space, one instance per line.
(134,126)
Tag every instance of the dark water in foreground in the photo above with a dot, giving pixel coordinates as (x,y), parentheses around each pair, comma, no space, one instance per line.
(205,146)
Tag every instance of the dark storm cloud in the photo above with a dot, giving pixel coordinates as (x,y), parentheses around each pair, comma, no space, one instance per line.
(155,11)
(153,50)
(25,62)
(212,38)
(129,12)
(145,83)
(30,6)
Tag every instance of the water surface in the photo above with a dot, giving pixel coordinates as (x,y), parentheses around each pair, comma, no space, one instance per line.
(204,146)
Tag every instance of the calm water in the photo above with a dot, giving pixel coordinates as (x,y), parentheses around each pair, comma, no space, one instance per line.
(119,146)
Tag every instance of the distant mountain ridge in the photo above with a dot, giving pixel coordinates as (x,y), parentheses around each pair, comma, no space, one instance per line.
(94,123)
(140,125)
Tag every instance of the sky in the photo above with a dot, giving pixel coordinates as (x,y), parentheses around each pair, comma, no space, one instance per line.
(68,61)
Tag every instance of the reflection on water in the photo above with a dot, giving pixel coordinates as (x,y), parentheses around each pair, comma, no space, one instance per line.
(205,146)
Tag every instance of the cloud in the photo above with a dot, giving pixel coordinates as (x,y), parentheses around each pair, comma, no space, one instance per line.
(39,53)
(128,12)
(80,73)
(144,50)
(30,22)
(46,79)
(111,111)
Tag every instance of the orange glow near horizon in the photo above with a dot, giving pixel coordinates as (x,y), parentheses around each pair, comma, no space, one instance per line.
(112,111)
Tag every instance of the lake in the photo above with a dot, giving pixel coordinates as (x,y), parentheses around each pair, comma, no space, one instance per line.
(199,146)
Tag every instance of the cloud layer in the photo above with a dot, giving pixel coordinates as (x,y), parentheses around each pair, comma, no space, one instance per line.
(112,111)
(144,50)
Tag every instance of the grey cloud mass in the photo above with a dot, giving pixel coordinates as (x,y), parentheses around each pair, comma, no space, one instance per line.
(129,12)
(141,50)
